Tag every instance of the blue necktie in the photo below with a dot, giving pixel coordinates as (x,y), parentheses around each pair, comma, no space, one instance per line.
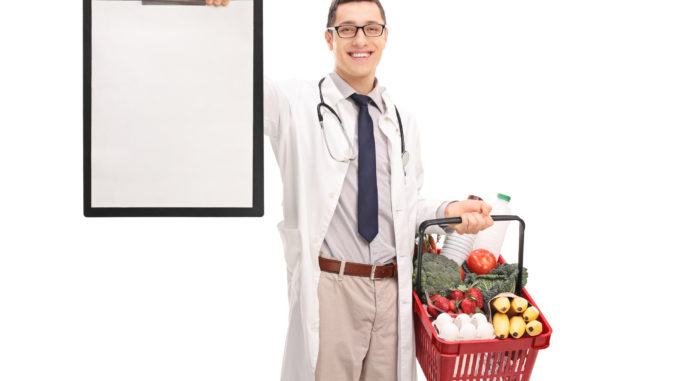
(368,201)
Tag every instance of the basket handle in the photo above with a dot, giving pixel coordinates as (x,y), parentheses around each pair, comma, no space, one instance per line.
(457,220)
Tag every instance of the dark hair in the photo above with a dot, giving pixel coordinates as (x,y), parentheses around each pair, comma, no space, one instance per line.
(332,15)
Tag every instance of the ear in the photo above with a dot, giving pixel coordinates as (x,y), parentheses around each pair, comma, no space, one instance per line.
(328,39)
(386,36)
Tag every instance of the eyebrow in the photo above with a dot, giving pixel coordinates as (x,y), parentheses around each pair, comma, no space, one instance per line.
(351,22)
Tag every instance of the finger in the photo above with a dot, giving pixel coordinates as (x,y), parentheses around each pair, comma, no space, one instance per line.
(486,209)
(209,2)
(463,226)
(488,222)
(226,2)
(475,223)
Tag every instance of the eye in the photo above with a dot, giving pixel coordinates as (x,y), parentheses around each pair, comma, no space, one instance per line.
(346,29)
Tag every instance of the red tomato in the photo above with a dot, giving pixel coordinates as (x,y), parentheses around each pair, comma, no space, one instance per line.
(463,276)
(481,261)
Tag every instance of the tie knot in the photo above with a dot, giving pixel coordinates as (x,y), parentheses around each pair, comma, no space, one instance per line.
(361,100)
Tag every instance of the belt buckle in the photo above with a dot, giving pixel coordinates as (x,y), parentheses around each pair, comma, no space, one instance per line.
(374,268)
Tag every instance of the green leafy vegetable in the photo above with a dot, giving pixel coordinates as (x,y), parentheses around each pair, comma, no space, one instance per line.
(438,274)
(501,279)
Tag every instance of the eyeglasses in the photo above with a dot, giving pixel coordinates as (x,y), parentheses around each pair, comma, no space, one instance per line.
(350,31)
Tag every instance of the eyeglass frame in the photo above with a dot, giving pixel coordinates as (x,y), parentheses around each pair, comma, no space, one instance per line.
(357,28)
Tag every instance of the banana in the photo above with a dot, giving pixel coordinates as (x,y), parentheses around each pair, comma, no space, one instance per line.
(518,305)
(501,304)
(501,325)
(530,314)
(533,328)
(517,327)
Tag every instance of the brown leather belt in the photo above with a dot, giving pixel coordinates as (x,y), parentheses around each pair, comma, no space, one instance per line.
(358,269)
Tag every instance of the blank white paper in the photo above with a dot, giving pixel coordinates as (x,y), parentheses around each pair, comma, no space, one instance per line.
(172,105)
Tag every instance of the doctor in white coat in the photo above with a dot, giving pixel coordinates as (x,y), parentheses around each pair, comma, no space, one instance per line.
(318,171)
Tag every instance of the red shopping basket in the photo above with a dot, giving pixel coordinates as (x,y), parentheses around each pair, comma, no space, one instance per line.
(507,359)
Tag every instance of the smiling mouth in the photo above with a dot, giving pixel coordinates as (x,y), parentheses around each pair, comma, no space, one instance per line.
(360,55)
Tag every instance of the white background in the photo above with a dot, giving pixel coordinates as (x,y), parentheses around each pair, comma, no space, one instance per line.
(570,107)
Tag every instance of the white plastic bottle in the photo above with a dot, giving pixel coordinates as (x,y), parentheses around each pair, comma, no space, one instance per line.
(457,246)
(492,238)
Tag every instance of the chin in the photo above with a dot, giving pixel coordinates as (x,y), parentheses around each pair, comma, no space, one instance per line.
(359,71)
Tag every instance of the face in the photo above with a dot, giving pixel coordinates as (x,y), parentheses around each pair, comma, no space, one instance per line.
(345,49)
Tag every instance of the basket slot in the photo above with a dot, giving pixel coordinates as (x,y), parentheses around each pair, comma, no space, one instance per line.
(456,367)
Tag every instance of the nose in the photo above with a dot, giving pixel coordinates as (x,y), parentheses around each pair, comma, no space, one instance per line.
(360,38)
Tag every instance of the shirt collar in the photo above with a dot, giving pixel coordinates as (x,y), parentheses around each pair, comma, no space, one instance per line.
(346,90)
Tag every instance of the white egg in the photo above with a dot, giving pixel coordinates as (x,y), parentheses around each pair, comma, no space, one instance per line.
(485,331)
(478,318)
(448,332)
(461,319)
(467,332)
(444,319)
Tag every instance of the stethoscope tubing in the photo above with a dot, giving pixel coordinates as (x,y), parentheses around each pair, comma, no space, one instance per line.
(403,152)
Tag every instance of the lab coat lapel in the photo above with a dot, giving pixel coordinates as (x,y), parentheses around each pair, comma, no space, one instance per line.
(344,108)
(389,122)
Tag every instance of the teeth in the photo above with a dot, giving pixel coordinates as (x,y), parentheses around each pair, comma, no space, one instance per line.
(360,55)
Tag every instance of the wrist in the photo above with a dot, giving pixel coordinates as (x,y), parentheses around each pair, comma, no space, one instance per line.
(451,210)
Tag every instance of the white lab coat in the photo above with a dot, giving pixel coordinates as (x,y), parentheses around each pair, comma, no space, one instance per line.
(312,181)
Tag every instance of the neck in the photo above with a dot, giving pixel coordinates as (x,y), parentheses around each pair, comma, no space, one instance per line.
(362,85)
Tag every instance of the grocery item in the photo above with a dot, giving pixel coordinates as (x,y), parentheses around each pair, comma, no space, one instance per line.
(530,314)
(501,279)
(501,304)
(478,318)
(517,327)
(501,325)
(492,238)
(458,246)
(442,303)
(457,295)
(521,317)
(444,319)
(476,295)
(468,305)
(462,319)
(484,331)
(481,261)
(438,274)
(448,332)
(533,328)
(518,305)
(467,332)
(430,245)
(432,311)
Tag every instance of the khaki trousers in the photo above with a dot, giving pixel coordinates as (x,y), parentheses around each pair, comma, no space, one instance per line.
(358,328)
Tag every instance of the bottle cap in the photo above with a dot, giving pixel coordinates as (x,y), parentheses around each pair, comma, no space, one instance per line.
(504,197)
(472,197)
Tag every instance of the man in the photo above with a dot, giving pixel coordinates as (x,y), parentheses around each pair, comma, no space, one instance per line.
(351,207)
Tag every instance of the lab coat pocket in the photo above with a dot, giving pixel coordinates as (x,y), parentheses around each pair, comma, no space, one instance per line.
(291,239)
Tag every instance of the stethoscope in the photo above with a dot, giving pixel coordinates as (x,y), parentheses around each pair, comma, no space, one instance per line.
(403,152)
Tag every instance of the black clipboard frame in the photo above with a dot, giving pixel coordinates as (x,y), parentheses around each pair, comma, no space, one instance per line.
(257,209)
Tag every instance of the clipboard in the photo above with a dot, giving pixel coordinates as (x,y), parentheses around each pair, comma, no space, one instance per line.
(173,109)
